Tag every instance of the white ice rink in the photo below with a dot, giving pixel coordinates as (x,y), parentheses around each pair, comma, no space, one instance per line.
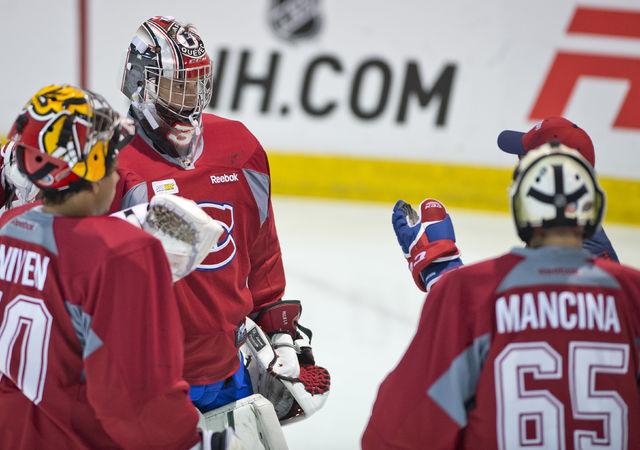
(342,260)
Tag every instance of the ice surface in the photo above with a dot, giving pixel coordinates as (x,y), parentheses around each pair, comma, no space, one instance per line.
(342,260)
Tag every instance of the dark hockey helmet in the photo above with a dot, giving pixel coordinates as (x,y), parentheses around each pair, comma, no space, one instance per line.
(66,134)
(554,186)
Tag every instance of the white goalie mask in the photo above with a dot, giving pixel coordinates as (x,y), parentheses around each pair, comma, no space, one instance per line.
(554,186)
(168,77)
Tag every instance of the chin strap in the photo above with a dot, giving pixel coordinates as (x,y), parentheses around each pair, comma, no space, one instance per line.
(197,125)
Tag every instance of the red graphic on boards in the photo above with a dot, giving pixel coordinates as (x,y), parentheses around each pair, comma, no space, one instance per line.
(568,67)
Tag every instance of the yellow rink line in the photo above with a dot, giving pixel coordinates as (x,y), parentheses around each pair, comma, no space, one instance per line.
(456,185)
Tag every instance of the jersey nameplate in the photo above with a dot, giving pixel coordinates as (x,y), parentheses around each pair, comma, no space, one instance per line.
(26,267)
(558,310)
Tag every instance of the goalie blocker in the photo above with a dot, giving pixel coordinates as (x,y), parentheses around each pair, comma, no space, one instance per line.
(288,385)
(281,364)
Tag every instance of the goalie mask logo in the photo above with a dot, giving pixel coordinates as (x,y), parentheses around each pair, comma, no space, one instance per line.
(295,19)
(187,42)
(53,100)
(66,113)
(65,124)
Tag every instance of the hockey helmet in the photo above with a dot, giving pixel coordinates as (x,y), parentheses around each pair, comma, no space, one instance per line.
(169,79)
(554,186)
(66,134)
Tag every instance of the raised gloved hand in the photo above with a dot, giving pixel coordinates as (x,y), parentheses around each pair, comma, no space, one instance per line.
(427,240)
(281,364)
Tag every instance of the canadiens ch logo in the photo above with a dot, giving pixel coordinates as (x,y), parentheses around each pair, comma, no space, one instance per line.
(224,251)
(295,19)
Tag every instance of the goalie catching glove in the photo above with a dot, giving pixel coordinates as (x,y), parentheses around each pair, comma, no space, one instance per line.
(281,365)
(186,232)
(427,240)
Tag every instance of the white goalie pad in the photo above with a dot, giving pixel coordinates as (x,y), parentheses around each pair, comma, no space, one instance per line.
(186,232)
(252,418)
(294,397)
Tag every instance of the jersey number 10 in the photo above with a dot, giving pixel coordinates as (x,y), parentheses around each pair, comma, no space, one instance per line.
(27,317)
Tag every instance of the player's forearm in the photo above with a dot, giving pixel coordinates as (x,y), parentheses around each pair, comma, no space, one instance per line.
(373,440)
(267,285)
(134,377)
(266,279)
(432,273)
(416,426)
(151,410)
(166,422)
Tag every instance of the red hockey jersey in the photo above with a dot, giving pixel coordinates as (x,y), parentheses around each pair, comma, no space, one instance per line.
(90,343)
(229,179)
(536,349)
(130,190)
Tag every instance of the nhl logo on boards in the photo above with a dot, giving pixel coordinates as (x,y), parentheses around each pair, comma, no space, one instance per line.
(295,19)
(23,224)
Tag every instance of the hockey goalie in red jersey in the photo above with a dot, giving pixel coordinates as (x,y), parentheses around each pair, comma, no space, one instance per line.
(91,349)
(220,165)
(535,349)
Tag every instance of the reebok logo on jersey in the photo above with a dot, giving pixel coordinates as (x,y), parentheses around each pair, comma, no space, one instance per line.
(165,186)
(217,179)
(24,224)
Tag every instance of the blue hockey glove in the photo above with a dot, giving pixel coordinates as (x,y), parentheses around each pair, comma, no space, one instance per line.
(427,240)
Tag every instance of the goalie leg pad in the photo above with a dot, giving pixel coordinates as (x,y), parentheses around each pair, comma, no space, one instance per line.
(252,418)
